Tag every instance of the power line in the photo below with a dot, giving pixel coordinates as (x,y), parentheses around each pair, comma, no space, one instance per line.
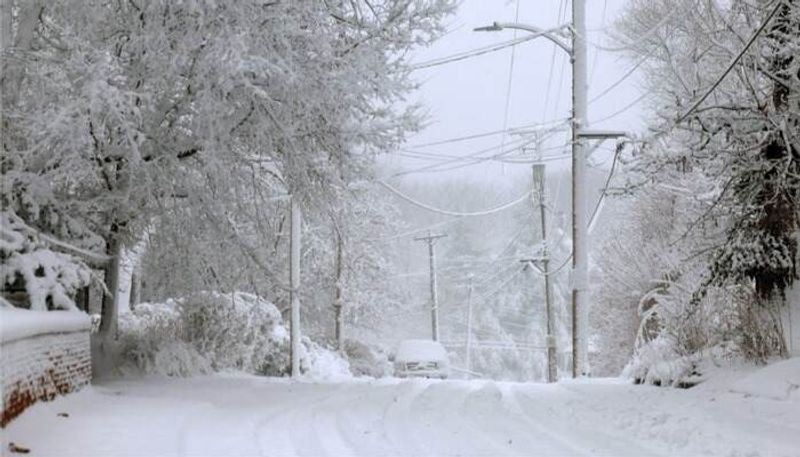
(414,231)
(454,213)
(597,50)
(469,54)
(619,81)
(474,155)
(508,86)
(641,37)
(623,109)
(561,6)
(733,63)
(521,129)
(480,51)
(473,159)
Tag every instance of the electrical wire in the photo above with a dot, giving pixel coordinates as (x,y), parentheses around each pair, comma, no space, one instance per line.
(473,159)
(622,79)
(479,51)
(623,109)
(520,129)
(418,203)
(474,156)
(561,6)
(508,88)
(733,62)
(597,50)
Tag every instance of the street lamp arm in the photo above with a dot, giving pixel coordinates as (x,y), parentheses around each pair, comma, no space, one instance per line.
(549,34)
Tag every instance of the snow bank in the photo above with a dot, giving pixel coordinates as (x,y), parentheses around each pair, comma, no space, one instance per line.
(17,323)
(320,364)
(778,381)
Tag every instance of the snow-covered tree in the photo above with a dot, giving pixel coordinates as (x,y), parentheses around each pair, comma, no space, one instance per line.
(725,166)
(120,114)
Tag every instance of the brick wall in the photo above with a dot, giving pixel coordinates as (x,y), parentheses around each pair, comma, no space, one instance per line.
(41,367)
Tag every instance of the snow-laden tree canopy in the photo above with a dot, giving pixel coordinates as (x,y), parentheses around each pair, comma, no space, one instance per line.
(190,120)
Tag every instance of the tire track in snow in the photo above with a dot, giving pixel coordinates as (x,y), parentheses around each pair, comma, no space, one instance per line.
(553,414)
(509,428)
(277,433)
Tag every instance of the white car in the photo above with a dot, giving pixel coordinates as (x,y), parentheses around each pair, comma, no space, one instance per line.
(421,358)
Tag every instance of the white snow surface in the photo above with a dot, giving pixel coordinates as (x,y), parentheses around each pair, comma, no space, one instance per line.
(18,323)
(779,381)
(233,414)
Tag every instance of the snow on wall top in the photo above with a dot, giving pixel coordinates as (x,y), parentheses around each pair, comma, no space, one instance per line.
(17,323)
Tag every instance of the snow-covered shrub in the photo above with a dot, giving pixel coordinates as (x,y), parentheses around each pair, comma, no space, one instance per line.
(319,363)
(366,360)
(49,278)
(152,340)
(236,331)
(210,331)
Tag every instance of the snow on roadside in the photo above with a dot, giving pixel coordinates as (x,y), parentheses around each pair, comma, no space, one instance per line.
(778,381)
(235,414)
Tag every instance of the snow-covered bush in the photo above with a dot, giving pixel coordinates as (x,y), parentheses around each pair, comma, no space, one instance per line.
(152,340)
(319,363)
(366,360)
(49,278)
(211,331)
(236,331)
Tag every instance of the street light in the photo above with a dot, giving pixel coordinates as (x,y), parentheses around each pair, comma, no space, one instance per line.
(550,34)
(579,119)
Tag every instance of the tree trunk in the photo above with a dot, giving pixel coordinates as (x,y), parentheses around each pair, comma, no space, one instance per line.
(102,357)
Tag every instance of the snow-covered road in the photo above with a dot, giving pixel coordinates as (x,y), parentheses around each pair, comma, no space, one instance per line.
(235,415)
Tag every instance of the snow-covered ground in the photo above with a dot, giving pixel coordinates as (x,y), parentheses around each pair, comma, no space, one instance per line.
(239,415)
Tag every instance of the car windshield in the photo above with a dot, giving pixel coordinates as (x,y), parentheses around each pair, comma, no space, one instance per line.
(411,350)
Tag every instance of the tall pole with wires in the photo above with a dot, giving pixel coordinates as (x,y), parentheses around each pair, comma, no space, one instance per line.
(580,256)
(469,327)
(294,282)
(431,240)
(538,182)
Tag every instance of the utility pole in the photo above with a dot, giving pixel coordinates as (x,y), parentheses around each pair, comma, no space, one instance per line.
(579,121)
(294,284)
(337,301)
(538,181)
(431,239)
(469,328)
(580,245)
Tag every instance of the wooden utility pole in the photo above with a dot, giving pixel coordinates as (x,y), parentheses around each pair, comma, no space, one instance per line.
(337,301)
(431,240)
(294,284)
(469,328)
(538,182)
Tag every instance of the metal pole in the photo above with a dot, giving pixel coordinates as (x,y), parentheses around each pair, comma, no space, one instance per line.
(469,328)
(539,177)
(580,258)
(294,284)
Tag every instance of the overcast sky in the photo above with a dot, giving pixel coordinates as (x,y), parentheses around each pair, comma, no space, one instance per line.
(470,96)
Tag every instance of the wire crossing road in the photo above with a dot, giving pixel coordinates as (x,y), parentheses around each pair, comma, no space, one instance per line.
(248,416)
